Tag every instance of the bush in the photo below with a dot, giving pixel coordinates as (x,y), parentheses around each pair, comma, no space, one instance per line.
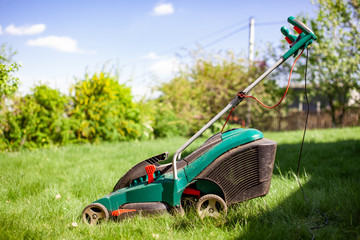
(104,110)
(35,120)
(166,122)
(198,93)
(8,83)
(100,109)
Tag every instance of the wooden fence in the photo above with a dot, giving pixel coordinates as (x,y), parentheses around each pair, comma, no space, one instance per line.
(296,120)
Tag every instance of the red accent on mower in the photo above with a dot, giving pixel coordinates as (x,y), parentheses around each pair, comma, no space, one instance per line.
(288,40)
(150,170)
(192,192)
(298,30)
(121,211)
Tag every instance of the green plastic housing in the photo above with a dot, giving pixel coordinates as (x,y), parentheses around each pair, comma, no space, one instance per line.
(165,188)
(304,39)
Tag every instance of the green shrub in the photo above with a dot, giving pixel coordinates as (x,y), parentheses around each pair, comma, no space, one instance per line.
(35,120)
(100,109)
(8,83)
(199,92)
(104,110)
(166,122)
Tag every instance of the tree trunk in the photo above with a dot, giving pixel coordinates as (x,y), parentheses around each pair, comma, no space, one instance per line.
(332,113)
(342,115)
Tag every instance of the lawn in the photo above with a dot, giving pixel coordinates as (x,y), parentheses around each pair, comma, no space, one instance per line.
(43,192)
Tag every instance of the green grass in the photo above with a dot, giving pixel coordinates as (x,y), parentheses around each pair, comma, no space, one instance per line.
(330,173)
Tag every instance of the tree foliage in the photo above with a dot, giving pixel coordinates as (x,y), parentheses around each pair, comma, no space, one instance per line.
(334,62)
(100,109)
(200,91)
(34,120)
(335,59)
(8,83)
(105,110)
(166,122)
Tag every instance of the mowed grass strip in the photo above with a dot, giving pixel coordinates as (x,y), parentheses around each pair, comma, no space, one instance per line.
(43,192)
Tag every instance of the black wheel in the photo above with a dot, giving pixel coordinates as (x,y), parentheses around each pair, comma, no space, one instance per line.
(211,205)
(95,213)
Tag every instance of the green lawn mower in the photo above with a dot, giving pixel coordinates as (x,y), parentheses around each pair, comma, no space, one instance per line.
(230,167)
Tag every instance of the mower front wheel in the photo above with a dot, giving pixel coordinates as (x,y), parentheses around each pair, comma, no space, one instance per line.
(95,213)
(211,205)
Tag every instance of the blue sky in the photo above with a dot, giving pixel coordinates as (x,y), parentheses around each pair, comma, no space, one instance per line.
(58,41)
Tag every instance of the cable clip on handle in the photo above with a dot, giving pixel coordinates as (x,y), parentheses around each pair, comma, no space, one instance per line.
(303,40)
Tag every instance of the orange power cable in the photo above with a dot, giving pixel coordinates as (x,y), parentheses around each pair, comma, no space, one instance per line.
(287,88)
(242,95)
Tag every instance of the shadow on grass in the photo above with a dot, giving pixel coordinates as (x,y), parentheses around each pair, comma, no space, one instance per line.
(330,175)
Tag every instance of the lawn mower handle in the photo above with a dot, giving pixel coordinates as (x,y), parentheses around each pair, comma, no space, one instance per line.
(305,38)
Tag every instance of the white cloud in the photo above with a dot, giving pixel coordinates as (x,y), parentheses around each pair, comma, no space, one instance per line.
(165,68)
(62,44)
(0,29)
(163,9)
(151,55)
(26,29)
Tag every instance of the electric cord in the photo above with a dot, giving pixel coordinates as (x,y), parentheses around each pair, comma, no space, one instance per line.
(243,95)
(227,119)
(304,133)
(300,154)
(287,87)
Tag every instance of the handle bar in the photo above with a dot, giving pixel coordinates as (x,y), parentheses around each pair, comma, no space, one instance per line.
(300,25)
(303,40)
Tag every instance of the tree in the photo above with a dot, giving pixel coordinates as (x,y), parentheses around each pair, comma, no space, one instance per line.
(8,83)
(335,60)
(201,90)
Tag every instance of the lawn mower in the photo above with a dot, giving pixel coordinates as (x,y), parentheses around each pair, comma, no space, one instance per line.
(230,167)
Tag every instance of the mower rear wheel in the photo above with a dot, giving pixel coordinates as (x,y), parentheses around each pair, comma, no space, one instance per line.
(95,213)
(211,205)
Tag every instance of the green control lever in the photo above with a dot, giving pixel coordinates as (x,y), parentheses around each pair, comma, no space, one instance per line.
(288,37)
(305,38)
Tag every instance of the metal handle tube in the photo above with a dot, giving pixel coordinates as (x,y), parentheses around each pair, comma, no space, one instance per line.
(233,103)
(264,75)
(198,134)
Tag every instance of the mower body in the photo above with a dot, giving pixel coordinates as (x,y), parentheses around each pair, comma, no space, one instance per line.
(235,165)
(229,167)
